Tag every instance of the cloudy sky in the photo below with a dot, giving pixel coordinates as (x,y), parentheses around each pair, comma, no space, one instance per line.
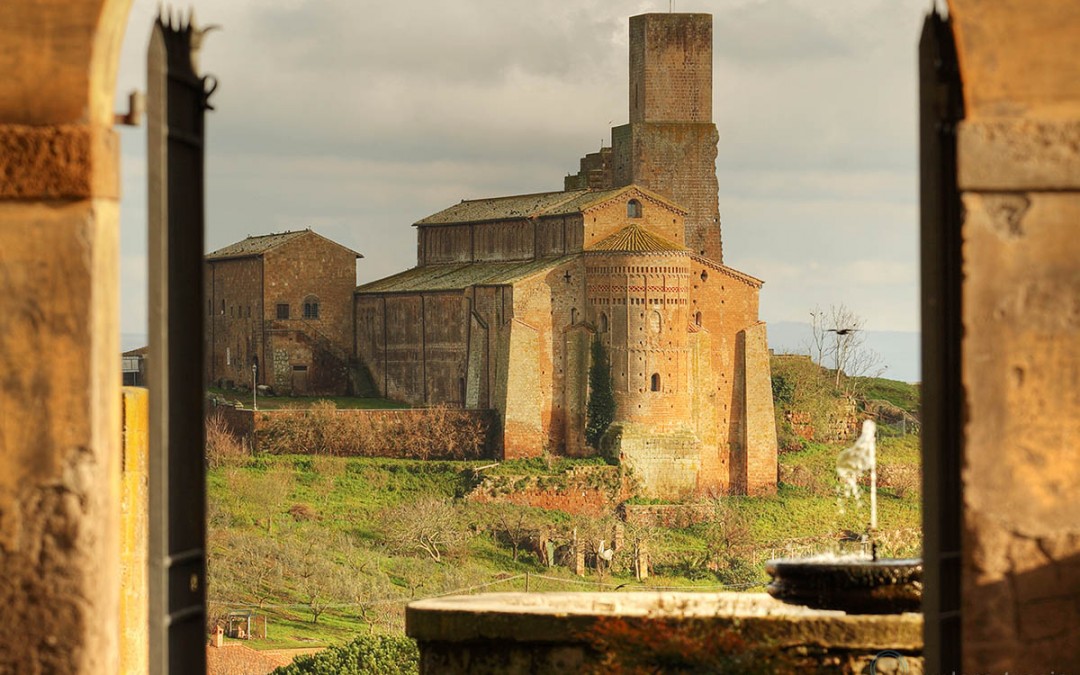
(358,118)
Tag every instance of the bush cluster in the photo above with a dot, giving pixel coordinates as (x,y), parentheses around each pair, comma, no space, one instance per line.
(430,433)
(367,654)
(223,448)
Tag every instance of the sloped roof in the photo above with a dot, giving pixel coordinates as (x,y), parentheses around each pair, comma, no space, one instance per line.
(636,239)
(730,271)
(458,276)
(262,243)
(534,205)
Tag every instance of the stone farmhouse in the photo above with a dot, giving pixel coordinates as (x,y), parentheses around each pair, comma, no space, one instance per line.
(281,303)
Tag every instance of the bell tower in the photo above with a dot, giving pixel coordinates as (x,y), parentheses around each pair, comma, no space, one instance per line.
(669,145)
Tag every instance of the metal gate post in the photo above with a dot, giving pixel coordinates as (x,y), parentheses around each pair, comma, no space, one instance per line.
(176,101)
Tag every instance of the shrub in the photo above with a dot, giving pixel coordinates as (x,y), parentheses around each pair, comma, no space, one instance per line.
(367,654)
(601,405)
(222,447)
(438,432)
(301,512)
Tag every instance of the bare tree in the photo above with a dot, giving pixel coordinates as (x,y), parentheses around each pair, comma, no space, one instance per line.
(431,526)
(837,335)
(516,525)
(264,493)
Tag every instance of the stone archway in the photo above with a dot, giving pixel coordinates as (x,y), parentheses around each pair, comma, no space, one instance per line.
(59,393)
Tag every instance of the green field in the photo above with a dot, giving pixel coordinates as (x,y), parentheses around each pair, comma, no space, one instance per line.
(295,536)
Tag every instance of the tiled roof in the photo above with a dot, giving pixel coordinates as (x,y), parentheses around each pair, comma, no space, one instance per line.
(261,243)
(453,277)
(635,239)
(256,245)
(501,208)
(532,206)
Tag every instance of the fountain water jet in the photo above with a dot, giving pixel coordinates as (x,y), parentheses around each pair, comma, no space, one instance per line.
(858,585)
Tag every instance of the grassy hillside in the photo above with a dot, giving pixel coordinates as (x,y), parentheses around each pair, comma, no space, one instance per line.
(330,547)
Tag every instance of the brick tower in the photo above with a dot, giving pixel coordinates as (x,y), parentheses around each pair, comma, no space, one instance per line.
(669,145)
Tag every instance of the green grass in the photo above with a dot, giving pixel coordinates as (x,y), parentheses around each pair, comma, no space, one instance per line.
(901,394)
(343,501)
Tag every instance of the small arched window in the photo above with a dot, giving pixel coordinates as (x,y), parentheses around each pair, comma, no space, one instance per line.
(697,318)
(704,275)
(633,209)
(573,316)
(603,323)
(311,307)
(654,384)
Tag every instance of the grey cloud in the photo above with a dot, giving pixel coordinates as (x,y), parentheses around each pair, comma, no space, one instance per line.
(775,32)
(359,118)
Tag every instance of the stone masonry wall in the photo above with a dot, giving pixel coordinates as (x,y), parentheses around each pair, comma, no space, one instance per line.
(1019,175)
(658,217)
(670,143)
(415,345)
(587,491)
(60,392)
(671,68)
(234,325)
(725,303)
(759,444)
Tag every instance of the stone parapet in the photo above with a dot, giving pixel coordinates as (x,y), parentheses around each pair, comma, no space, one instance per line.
(510,633)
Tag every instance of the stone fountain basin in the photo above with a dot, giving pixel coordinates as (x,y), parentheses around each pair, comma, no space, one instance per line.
(859,586)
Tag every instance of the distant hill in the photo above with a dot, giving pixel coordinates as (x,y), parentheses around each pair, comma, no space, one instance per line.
(899,350)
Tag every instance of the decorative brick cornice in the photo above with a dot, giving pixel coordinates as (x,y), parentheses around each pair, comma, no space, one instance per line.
(72,161)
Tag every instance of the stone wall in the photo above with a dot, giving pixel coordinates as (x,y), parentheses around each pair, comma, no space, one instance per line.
(587,491)
(234,324)
(1018,173)
(657,216)
(519,633)
(759,444)
(665,463)
(677,160)
(415,345)
(504,240)
(60,393)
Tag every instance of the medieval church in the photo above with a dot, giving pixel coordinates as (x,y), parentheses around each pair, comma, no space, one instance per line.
(510,292)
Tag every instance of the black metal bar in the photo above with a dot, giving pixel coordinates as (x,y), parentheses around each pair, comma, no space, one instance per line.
(176,104)
(940,110)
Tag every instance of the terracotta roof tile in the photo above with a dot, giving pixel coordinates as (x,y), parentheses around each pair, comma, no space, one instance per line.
(533,205)
(636,239)
(452,277)
(261,243)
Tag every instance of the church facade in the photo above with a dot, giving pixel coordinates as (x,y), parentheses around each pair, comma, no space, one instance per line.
(509,294)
